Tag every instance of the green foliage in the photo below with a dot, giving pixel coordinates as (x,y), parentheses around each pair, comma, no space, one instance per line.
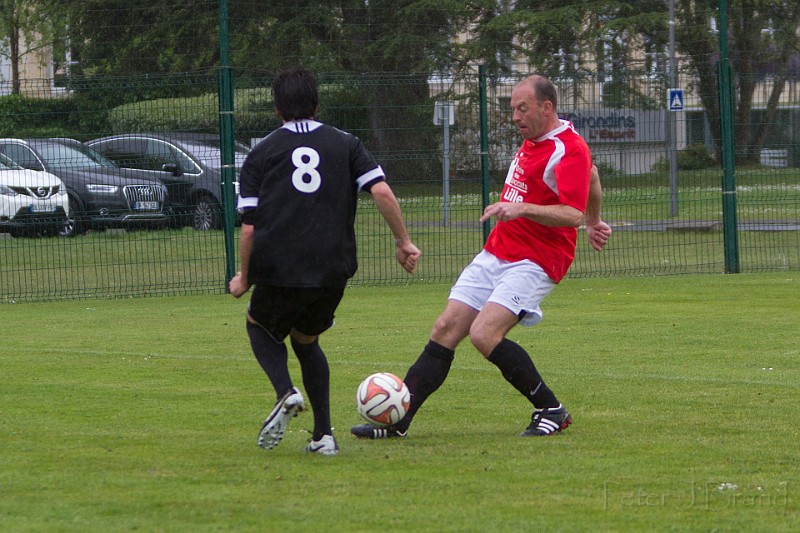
(21,116)
(621,93)
(143,37)
(693,157)
(147,420)
(608,172)
(25,27)
(253,112)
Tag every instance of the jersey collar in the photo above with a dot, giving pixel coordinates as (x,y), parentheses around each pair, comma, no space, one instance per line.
(552,133)
(302,126)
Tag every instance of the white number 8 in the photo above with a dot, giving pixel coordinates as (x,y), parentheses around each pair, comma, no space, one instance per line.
(306,161)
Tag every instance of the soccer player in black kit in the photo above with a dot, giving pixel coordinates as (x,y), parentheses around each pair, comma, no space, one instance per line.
(298,191)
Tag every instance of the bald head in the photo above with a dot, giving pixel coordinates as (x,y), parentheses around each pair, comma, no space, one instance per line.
(533,104)
(543,88)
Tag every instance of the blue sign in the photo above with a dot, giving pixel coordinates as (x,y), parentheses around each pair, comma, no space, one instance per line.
(675,101)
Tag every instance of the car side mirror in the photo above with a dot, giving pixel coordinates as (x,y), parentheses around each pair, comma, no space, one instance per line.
(172,168)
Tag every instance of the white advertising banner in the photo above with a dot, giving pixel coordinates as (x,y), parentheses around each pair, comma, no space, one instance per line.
(619,125)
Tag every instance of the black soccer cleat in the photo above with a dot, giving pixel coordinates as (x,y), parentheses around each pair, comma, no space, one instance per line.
(368,431)
(548,422)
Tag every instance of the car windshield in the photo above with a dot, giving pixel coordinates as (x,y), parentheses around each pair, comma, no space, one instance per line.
(8,164)
(72,156)
(210,153)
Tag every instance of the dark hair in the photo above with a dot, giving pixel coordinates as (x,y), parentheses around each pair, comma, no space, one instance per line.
(295,94)
(544,89)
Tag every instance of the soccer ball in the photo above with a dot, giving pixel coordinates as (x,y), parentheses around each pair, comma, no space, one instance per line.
(383,399)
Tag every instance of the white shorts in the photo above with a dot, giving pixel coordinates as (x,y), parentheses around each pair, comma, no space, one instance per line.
(519,286)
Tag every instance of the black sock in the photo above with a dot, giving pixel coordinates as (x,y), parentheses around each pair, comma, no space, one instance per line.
(425,376)
(519,370)
(316,380)
(272,356)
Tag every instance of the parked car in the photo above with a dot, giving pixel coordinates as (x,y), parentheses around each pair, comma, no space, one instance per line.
(31,203)
(100,194)
(188,163)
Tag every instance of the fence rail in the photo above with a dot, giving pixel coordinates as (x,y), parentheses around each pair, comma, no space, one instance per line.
(668,215)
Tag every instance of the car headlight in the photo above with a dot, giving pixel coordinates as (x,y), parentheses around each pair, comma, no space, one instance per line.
(98,188)
(7,191)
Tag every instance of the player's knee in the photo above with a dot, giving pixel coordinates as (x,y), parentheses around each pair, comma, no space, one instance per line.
(447,332)
(302,343)
(484,339)
(440,327)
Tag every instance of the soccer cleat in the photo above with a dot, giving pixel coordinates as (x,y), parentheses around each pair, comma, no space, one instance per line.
(324,446)
(368,431)
(548,421)
(275,425)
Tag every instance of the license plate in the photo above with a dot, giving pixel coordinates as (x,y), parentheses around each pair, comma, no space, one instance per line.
(42,208)
(147,205)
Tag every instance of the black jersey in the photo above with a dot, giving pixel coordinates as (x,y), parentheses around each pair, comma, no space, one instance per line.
(303,180)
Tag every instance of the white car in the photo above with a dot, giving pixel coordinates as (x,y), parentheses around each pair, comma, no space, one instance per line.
(31,203)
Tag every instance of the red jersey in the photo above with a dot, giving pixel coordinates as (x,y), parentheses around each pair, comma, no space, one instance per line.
(553,169)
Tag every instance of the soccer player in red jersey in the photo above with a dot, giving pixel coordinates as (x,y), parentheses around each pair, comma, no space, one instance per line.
(550,190)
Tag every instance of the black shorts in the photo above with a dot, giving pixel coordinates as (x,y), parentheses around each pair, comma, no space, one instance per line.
(280,309)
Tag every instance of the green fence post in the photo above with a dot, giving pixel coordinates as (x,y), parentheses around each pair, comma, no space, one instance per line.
(227,140)
(724,77)
(484,144)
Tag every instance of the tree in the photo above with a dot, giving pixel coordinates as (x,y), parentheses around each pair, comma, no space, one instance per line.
(133,37)
(763,38)
(553,35)
(27,26)
(403,42)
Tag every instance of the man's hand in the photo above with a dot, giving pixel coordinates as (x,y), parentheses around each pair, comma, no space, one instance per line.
(407,254)
(502,211)
(238,286)
(598,234)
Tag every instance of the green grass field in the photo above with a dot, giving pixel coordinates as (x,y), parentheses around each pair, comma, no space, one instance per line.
(142,414)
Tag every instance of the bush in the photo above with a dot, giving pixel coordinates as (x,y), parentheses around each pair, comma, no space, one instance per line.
(77,117)
(21,116)
(254,112)
(693,157)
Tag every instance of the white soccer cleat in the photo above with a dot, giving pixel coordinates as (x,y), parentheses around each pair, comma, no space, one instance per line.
(275,425)
(324,446)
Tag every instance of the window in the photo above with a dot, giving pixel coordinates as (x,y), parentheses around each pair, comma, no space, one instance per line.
(21,155)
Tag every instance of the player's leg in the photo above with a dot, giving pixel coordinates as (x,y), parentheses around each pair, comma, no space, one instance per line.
(467,296)
(431,368)
(319,308)
(267,328)
(516,298)
(517,367)
(272,356)
(316,380)
(429,371)
(488,335)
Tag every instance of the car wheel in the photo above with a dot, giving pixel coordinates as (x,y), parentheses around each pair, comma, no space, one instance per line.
(206,214)
(73,224)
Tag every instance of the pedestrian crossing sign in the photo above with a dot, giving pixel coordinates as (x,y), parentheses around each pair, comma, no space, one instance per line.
(675,102)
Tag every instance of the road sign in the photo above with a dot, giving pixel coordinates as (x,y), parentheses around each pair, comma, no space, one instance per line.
(444,111)
(675,101)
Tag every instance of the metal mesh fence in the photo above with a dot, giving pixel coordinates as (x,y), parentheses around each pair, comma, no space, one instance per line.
(153,113)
